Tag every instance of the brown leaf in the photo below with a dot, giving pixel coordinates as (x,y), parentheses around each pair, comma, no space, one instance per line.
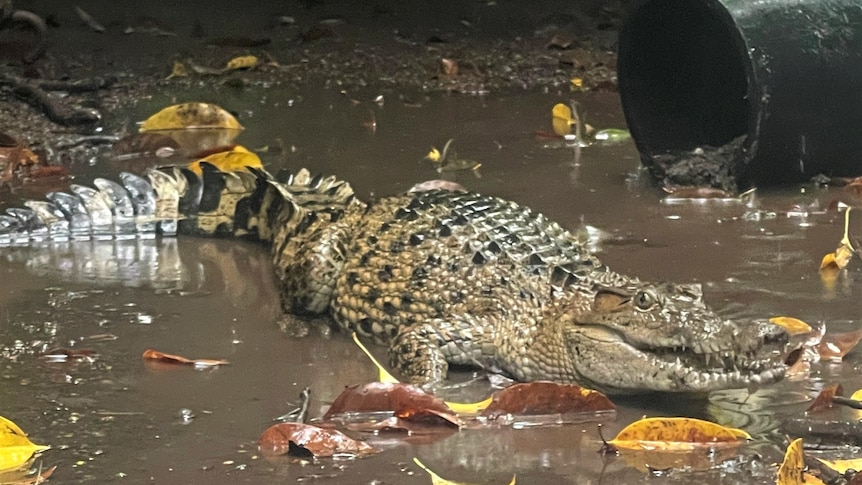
(22,477)
(836,346)
(155,355)
(823,400)
(405,400)
(306,441)
(547,398)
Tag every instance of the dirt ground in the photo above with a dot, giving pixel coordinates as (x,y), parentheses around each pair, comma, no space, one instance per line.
(407,48)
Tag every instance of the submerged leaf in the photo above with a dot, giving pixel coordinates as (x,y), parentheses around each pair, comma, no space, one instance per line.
(155,355)
(438,480)
(836,346)
(15,449)
(191,116)
(676,434)
(306,441)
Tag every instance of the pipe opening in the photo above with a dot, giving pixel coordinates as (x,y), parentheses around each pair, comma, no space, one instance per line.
(682,86)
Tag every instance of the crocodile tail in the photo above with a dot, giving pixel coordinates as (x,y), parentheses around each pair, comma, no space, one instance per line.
(169,200)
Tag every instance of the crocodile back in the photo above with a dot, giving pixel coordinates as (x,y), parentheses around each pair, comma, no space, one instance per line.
(437,253)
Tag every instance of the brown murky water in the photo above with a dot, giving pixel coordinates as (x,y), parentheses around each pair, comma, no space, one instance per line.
(120,420)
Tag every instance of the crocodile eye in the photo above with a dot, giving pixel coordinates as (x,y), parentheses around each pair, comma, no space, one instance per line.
(645,300)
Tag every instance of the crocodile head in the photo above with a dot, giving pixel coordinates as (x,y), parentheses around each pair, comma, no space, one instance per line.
(633,337)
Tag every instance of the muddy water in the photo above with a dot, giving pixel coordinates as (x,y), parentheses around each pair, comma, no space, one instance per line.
(120,420)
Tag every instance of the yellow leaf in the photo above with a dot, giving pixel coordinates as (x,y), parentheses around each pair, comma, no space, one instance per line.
(792,325)
(562,119)
(433,155)
(676,434)
(15,449)
(841,466)
(191,116)
(577,84)
(470,408)
(792,469)
(383,374)
(858,397)
(232,160)
(242,62)
(179,70)
(438,480)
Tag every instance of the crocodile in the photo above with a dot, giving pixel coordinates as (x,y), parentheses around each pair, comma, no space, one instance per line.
(442,277)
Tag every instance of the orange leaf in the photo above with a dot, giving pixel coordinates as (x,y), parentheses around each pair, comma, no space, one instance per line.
(823,400)
(306,441)
(155,355)
(547,398)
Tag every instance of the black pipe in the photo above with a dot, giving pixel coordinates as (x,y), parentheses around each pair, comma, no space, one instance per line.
(776,83)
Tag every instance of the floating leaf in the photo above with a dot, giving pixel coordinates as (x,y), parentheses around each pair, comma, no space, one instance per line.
(433,155)
(307,441)
(576,84)
(438,480)
(612,135)
(406,401)
(792,469)
(242,62)
(155,355)
(191,116)
(672,434)
(841,257)
(235,159)
(836,346)
(793,326)
(547,398)
(823,400)
(15,449)
(562,120)
(26,477)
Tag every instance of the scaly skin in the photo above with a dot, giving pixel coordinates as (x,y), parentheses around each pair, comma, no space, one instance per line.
(441,277)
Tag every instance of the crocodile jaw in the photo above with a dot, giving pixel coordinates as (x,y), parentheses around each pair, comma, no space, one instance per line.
(603,360)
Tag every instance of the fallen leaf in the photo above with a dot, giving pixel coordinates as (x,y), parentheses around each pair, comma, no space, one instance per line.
(64,355)
(823,400)
(576,84)
(383,374)
(15,449)
(612,135)
(793,326)
(26,477)
(306,441)
(235,159)
(191,116)
(449,67)
(438,480)
(676,434)
(406,401)
(841,466)
(792,469)
(561,118)
(178,70)
(843,254)
(546,398)
(242,62)
(157,356)
(836,346)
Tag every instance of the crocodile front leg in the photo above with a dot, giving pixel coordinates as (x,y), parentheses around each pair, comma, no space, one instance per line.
(423,352)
